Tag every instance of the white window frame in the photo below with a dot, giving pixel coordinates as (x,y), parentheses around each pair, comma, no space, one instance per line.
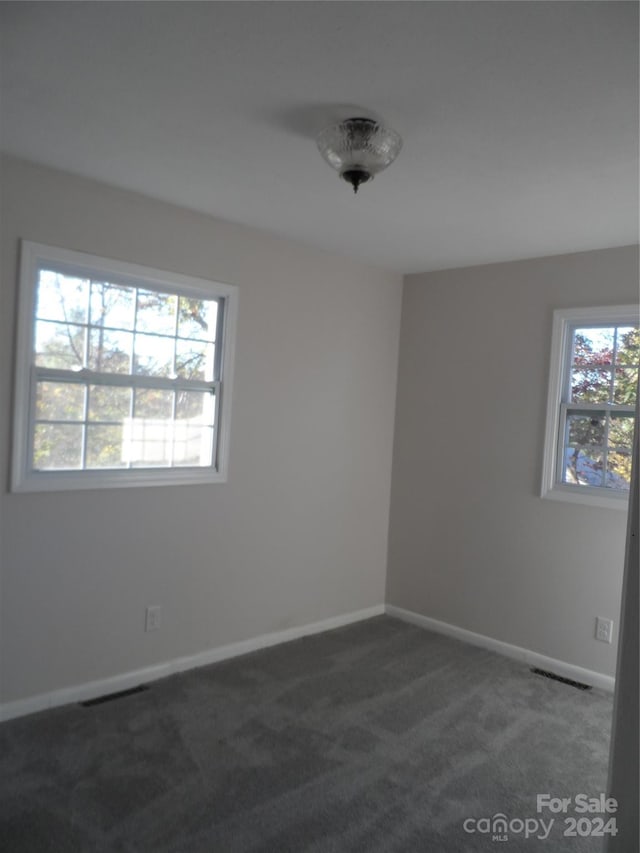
(564,322)
(24,478)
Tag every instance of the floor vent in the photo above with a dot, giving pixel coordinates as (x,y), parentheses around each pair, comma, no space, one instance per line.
(555,677)
(109,697)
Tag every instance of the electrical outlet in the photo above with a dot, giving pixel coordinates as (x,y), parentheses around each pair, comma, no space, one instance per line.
(152,617)
(604,629)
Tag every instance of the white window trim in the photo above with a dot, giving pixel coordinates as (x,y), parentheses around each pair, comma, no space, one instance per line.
(23,478)
(564,320)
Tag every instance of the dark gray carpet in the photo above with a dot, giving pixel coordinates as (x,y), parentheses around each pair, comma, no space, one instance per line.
(378,737)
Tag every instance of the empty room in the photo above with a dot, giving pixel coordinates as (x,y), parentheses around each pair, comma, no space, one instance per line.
(319,329)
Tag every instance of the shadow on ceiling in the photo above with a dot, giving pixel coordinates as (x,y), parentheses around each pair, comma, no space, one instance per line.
(309,120)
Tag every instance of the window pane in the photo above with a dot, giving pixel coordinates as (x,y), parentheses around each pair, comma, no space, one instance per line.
(626,385)
(197,318)
(156,312)
(62,297)
(104,446)
(153,403)
(586,428)
(153,355)
(621,432)
(108,403)
(583,451)
(628,345)
(60,401)
(109,351)
(60,345)
(192,445)
(147,442)
(620,451)
(584,466)
(195,406)
(593,346)
(194,360)
(112,305)
(619,471)
(148,437)
(57,446)
(591,385)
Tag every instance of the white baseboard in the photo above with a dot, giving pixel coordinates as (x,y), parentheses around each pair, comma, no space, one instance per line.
(127,680)
(559,667)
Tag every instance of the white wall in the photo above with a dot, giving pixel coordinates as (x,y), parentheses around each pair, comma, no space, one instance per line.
(471,542)
(298,534)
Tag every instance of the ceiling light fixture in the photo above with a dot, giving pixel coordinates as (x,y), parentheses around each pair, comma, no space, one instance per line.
(359,148)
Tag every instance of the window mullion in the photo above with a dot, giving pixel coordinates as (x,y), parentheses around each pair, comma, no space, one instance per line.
(216,420)
(172,431)
(568,368)
(175,337)
(131,415)
(614,359)
(562,441)
(124,380)
(174,372)
(217,351)
(132,399)
(31,418)
(87,331)
(85,420)
(134,330)
(605,449)
(595,407)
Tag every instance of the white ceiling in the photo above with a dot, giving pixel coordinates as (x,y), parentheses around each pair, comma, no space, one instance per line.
(520,120)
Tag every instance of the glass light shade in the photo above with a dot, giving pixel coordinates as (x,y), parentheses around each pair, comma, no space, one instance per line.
(359,148)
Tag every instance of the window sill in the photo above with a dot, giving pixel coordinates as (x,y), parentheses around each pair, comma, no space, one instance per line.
(588,496)
(63,481)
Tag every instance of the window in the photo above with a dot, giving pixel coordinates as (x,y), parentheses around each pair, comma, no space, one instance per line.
(123,374)
(592,394)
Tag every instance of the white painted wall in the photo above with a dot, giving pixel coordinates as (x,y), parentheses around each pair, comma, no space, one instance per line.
(471,543)
(299,532)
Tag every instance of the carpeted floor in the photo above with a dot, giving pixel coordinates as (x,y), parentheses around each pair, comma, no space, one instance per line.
(379,737)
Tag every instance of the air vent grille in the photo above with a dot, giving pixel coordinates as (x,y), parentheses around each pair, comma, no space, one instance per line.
(578,684)
(110,697)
